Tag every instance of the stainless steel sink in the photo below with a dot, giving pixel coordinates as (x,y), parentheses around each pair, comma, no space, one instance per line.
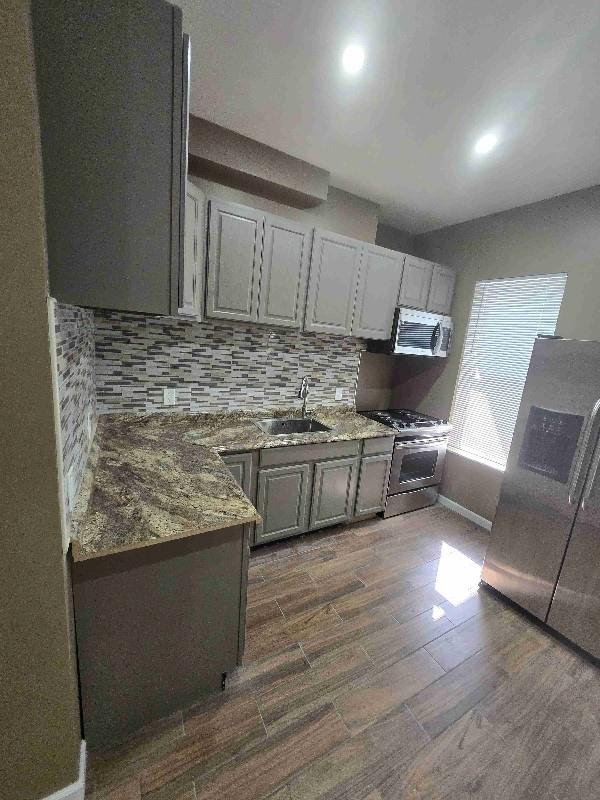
(284,427)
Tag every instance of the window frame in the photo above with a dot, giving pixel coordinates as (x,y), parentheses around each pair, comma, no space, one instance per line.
(556,287)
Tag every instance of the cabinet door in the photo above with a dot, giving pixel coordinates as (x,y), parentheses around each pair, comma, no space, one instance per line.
(334,267)
(442,290)
(282,502)
(334,491)
(378,283)
(284,272)
(416,280)
(110,92)
(234,256)
(193,255)
(372,484)
(243,468)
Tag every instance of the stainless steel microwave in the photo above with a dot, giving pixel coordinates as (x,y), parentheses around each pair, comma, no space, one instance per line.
(418,333)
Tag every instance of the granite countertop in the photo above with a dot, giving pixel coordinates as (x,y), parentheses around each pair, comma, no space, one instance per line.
(156,477)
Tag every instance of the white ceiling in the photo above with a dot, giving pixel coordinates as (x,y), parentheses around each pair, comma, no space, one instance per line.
(438,74)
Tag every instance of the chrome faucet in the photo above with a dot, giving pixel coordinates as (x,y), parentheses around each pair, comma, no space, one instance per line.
(303,393)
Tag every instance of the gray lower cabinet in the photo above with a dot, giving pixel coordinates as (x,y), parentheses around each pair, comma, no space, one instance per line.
(334,266)
(283,501)
(243,468)
(156,629)
(372,484)
(334,490)
(416,281)
(378,285)
(305,487)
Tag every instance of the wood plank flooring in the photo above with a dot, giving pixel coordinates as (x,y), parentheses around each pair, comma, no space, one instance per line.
(377,669)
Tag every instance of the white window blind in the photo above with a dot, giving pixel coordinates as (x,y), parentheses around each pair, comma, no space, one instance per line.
(506,316)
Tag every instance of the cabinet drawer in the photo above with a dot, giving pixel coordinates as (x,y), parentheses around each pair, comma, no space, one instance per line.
(296,454)
(382,444)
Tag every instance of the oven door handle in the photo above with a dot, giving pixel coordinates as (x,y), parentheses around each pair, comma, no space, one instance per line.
(420,443)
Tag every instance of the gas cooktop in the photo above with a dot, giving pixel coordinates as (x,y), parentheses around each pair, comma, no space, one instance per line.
(406,421)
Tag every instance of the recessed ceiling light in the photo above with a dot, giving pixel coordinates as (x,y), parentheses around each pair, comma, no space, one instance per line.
(353,58)
(486,143)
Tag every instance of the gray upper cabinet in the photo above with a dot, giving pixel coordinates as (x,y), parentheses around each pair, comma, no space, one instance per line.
(235,239)
(334,492)
(378,284)
(193,254)
(334,266)
(442,289)
(372,484)
(284,272)
(257,266)
(416,281)
(282,501)
(112,100)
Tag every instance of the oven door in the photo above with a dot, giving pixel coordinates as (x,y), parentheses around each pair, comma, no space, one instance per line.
(417,463)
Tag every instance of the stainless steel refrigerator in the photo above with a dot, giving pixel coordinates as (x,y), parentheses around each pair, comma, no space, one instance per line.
(544,551)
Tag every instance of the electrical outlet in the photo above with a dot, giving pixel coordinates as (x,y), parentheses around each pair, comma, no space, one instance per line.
(169,397)
(339,393)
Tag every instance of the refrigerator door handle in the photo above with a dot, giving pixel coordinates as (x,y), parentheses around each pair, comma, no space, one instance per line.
(591,482)
(583,461)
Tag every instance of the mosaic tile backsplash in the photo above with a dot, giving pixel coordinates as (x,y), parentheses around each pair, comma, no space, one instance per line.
(216,365)
(74,330)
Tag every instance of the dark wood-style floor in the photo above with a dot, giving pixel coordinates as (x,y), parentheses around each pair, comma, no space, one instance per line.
(376,669)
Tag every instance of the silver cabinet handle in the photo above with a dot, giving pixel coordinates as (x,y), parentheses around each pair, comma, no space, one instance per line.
(583,460)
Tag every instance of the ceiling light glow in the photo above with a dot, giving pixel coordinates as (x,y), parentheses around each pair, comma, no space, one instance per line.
(353,58)
(486,143)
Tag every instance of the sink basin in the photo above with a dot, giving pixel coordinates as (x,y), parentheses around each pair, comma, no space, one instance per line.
(284,427)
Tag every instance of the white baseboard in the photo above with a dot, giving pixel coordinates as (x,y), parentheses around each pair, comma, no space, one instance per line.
(465,512)
(74,791)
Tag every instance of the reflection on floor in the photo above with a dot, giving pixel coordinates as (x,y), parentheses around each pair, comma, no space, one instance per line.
(377,669)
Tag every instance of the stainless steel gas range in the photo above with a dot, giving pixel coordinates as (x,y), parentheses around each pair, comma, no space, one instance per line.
(418,460)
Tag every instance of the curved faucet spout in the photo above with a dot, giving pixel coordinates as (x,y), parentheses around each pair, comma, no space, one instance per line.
(303,393)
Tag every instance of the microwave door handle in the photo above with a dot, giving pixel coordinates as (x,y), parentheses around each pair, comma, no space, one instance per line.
(584,457)
(436,338)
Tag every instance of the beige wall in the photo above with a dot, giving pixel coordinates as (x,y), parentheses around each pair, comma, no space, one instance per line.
(342,212)
(39,718)
(395,238)
(224,156)
(557,235)
(375,379)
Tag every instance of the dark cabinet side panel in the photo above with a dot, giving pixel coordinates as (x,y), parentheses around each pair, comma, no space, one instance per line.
(109,86)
